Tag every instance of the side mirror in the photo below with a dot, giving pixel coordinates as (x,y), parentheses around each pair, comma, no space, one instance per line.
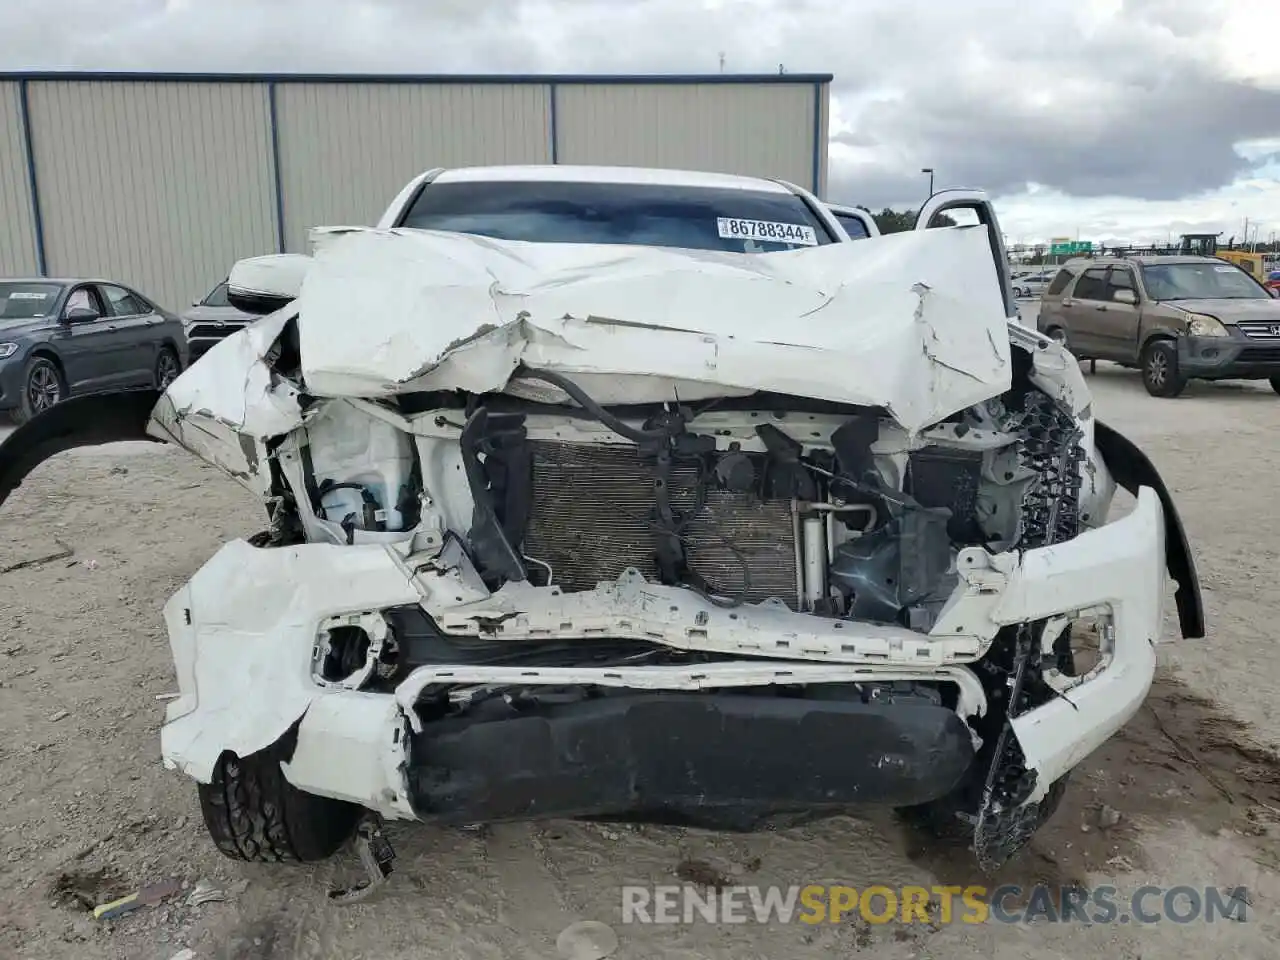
(1274,291)
(80,315)
(1126,296)
(261,285)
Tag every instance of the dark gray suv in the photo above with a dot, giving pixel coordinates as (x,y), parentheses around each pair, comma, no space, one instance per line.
(211,320)
(64,337)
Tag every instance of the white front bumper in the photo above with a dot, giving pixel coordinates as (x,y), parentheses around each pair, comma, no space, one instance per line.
(1124,570)
(244,628)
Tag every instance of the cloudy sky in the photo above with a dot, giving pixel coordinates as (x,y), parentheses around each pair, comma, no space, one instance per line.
(1110,119)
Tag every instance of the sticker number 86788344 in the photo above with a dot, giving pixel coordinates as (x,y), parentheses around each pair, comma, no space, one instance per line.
(770,230)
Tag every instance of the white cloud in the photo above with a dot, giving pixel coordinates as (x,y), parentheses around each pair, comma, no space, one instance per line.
(1134,115)
(1038,214)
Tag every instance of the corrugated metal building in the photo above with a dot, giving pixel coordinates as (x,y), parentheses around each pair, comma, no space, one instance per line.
(164,181)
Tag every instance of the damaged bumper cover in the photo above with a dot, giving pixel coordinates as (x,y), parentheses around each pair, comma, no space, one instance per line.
(254,616)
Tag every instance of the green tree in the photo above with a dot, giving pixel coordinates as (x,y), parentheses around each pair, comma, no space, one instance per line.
(896,221)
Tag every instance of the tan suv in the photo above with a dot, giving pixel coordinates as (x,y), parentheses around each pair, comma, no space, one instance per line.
(1175,317)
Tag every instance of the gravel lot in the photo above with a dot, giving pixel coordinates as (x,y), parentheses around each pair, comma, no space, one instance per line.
(88,813)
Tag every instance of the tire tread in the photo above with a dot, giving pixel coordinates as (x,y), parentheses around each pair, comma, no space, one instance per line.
(254,814)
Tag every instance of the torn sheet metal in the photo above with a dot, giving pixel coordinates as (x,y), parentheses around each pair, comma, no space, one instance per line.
(234,384)
(907,322)
(222,407)
(318,238)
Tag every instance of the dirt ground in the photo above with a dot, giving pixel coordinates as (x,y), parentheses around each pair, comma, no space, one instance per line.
(88,813)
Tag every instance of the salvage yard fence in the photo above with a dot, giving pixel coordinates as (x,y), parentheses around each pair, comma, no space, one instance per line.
(164,180)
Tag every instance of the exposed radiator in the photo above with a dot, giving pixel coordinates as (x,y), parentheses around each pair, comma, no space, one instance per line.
(591,513)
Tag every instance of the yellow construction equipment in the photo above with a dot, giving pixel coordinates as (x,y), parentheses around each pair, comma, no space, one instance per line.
(1251,262)
(1206,245)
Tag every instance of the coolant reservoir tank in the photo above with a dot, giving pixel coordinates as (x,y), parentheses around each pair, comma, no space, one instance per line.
(362,467)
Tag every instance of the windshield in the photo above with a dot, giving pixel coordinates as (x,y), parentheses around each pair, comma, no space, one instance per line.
(1201,281)
(655,215)
(217,297)
(26,301)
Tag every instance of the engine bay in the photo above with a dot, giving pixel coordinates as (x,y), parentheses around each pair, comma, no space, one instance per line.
(775,504)
(811,506)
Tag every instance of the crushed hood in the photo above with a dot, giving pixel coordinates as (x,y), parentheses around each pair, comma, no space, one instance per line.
(912,322)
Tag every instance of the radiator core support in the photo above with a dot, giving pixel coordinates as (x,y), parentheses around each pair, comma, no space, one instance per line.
(592,518)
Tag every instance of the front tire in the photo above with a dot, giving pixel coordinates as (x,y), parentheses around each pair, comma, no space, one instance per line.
(167,368)
(949,819)
(1275,384)
(43,386)
(254,814)
(1160,374)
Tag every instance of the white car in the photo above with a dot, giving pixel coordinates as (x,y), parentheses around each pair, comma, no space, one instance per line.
(859,224)
(1032,285)
(582,504)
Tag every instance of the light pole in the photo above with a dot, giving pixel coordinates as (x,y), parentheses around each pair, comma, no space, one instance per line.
(929,171)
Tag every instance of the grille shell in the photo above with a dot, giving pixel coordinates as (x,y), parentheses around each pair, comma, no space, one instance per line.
(214,331)
(590,520)
(1259,330)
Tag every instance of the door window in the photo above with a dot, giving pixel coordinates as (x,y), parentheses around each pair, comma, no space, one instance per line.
(1092,284)
(1120,279)
(82,298)
(1060,282)
(123,303)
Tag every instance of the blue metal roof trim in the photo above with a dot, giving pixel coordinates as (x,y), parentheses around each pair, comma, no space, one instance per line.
(37,216)
(277,176)
(817,140)
(429,78)
(554,134)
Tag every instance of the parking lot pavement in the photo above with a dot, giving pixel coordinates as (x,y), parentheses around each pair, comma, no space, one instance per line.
(1183,797)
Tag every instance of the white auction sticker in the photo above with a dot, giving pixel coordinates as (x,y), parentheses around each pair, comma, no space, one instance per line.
(1224,269)
(28,295)
(769,230)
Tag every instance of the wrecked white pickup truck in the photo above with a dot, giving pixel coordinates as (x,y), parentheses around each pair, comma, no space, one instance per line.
(645,529)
